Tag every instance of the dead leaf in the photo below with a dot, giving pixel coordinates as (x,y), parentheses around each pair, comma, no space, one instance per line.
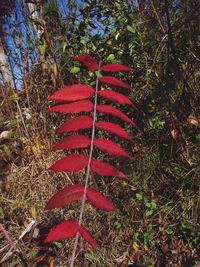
(194,120)
(174,134)
(36,232)
(5,135)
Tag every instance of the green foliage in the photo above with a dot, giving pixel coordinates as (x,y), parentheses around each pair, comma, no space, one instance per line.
(95,259)
(121,222)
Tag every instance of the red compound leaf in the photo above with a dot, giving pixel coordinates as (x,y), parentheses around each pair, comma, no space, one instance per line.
(72,142)
(88,62)
(99,200)
(65,196)
(113,128)
(114,96)
(72,93)
(106,169)
(114,81)
(88,238)
(70,163)
(105,109)
(65,229)
(75,124)
(75,107)
(115,68)
(110,147)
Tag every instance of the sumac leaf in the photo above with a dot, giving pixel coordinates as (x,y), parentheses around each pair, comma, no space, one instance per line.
(65,196)
(72,142)
(99,200)
(72,93)
(115,68)
(105,109)
(65,229)
(113,128)
(114,81)
(106,169)
(75,124)
(87,236)
(88,62)
(70,163)
(114,96)
(110,147)
(75,107)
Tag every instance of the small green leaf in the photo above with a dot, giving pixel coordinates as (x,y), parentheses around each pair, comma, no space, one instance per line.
(1,213)
(64,46)
(43,49)
(130,29)
(83,42)
(169,231)
(139,196)
(74,70)
(58,244)
(149,212)
(7,150)
(153,205)
(15,97)
(111,57)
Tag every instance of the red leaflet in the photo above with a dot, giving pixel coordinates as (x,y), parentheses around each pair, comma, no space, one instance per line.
(114,81)
(114,96)
(87,236)
(110,147)
(65,229)
(99,200)
(72,142)
(76,107)
(65,196)
(75,124)
(115,112)
(115,68)
(70,163)
(105,169)
(75,192)
(113,128)
(72,93)
(88,62)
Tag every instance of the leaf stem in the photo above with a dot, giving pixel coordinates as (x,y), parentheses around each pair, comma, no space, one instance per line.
(88,171)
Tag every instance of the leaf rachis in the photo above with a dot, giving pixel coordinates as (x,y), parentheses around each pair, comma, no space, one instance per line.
(88,169)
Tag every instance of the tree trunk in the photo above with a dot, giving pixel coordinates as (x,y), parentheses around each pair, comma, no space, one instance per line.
(4,69)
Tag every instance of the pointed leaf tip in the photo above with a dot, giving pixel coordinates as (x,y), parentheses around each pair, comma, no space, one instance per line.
(99,200)
(115,68)
(110,147)
(114,81)
(106,169)
(114,96)
(88,61)
(87,237)
(113,128)
(105,109)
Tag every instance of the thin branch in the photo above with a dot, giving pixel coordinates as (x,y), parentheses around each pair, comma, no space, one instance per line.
(12,244)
